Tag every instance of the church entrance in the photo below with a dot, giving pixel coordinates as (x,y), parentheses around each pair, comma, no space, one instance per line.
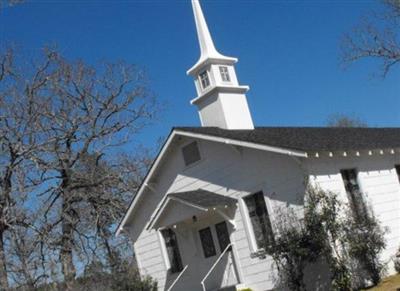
(214,260)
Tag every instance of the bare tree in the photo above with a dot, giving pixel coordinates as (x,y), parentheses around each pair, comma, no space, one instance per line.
(376,37)
(20,138)
(91,114)
(342,120)
(63,181)
(25,266)
(5,3)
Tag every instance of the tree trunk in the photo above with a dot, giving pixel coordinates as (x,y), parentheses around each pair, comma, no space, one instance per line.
(5,198)
(112,260)
(66,254)
(3,268)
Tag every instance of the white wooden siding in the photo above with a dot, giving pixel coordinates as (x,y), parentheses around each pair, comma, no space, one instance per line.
(237,173)
(379,182)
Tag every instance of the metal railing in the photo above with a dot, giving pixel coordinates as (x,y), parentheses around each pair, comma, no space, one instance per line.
(214,265)
(177,278)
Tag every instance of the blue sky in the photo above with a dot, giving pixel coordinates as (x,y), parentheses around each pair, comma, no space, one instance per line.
(288,53)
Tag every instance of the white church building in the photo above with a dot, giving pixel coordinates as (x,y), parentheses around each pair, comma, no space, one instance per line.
(208,203)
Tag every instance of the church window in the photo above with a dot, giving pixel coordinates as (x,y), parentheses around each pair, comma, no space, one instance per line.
(191,153)
(357,203)
(398,171)
(224,74)
(222,235)
(204,79)
(259,218)
(171,245)
(207,242)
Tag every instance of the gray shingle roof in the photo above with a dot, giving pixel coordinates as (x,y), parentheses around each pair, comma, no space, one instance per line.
(310,138)
(203,198)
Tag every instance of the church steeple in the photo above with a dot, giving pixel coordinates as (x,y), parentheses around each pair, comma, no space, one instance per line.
(221,101)
(207,48)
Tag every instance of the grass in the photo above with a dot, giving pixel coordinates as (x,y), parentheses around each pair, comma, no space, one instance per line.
(391,283)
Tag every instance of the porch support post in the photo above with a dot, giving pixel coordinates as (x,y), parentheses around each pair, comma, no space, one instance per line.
(226,217)
(237,265)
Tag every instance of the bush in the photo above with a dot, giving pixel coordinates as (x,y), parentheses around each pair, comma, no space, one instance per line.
(327,234)
(125,277)
(365,241)
(397,261)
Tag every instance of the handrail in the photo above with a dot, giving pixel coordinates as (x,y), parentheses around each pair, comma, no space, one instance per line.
(177,278)
(214,265)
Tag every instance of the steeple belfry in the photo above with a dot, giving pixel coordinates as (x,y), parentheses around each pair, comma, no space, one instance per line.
(221,101)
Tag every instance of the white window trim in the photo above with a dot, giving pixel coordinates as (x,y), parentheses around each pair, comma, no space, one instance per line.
(164,252)
(360,177)
(247,226)
(227,73)
(247,222)
(208,78)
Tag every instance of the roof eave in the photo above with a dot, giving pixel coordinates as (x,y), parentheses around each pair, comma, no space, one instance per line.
(205,61)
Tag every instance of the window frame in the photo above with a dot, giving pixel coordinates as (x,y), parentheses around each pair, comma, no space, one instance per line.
(207,80)
(397,170)
(224,73)
(357,211)
(249,225)
(164,251)
(212,243)
(219,240)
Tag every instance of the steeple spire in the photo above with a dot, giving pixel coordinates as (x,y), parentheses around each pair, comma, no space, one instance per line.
(207,48)
(221,100)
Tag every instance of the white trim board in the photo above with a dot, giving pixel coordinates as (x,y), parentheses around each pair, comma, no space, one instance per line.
(159,210)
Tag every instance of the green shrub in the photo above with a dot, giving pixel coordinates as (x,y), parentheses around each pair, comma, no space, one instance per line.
(365,241)
(326,234)
(397,261)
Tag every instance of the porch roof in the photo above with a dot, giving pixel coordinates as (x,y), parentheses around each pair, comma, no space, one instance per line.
(201,200)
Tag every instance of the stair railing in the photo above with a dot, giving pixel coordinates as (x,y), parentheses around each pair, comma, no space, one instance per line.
(214,265)
(177,278)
